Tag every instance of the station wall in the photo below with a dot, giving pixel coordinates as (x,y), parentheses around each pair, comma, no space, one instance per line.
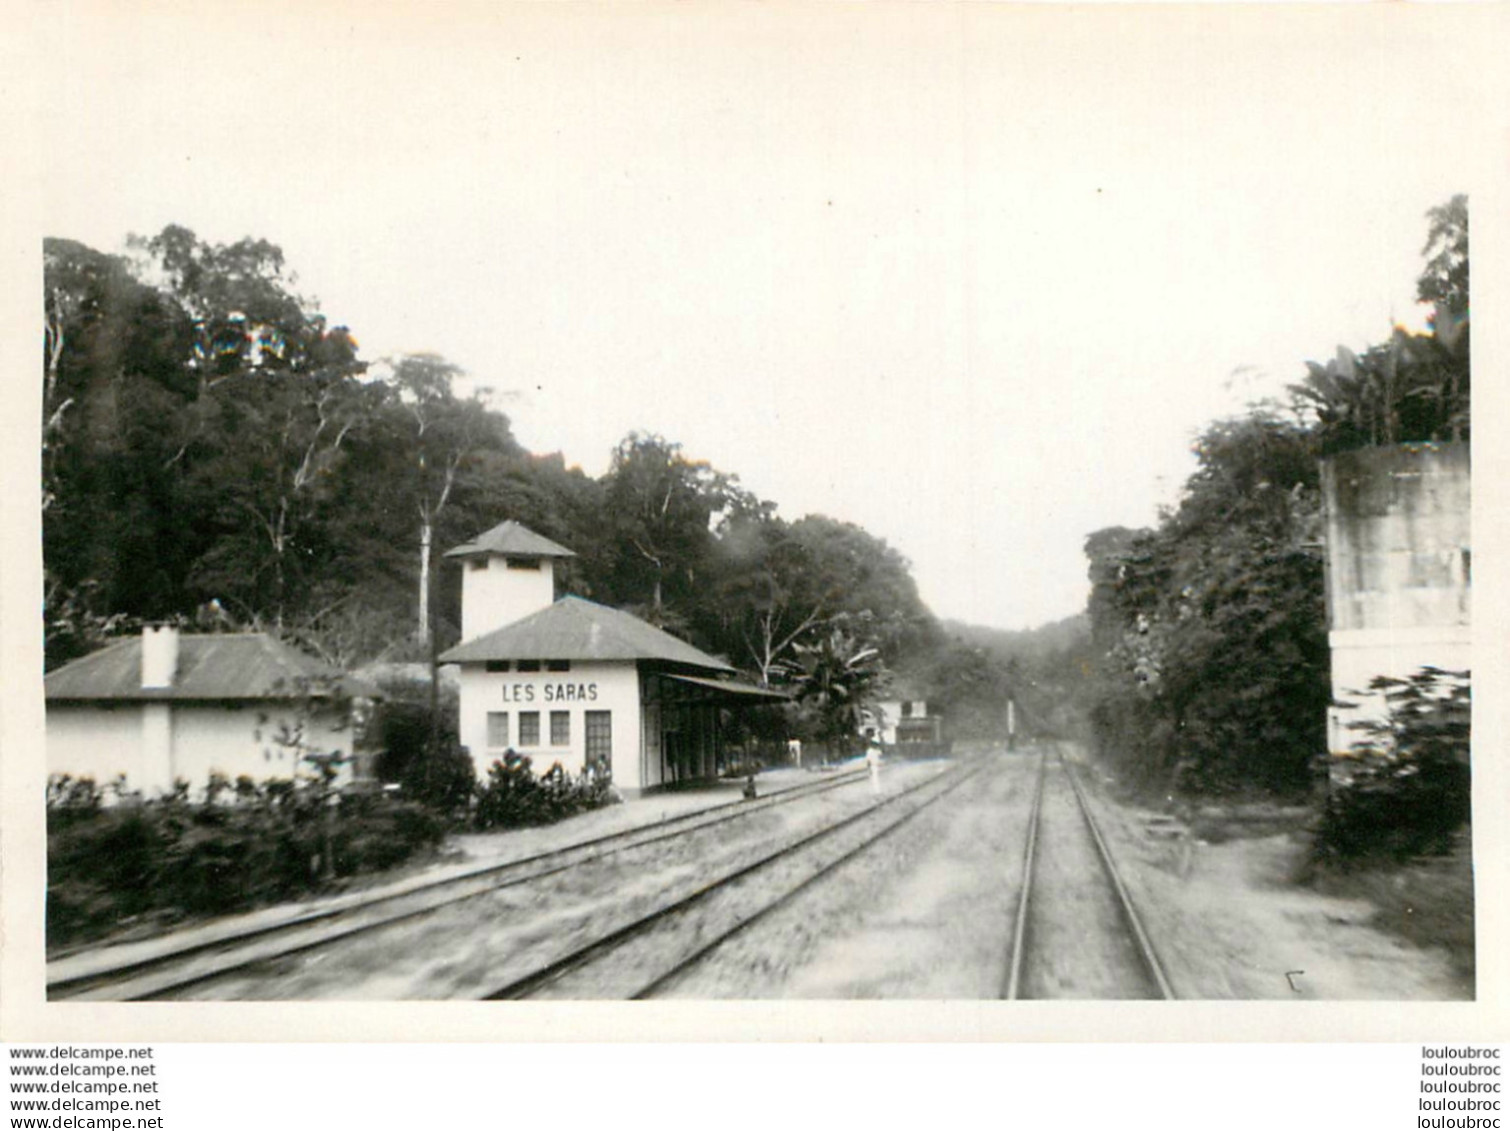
(513,709)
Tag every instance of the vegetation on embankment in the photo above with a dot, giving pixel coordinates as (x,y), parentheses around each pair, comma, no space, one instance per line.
(1211,669)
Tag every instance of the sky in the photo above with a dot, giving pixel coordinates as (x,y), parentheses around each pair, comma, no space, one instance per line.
(972,277)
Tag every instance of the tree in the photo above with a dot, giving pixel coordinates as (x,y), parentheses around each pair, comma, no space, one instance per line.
(1444,280)
(836,677)
(1215,670)
(771,593)
(662,509)
(771,585)
(264,467)
(240,300)
(276,400)
(115,544)
(1414,387)
(862,577)
(440,434)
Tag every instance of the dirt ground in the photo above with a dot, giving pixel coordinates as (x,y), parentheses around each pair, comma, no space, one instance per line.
(1230,921)
(927,914)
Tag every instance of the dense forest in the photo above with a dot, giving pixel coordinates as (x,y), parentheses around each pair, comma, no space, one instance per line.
(218,454)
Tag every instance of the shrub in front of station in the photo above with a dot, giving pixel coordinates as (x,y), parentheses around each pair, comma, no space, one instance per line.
(514,796)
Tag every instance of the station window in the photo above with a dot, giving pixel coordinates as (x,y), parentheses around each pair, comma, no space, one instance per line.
(560,728)
(529,728)
(522,563)
(529,665)
(477,563)
(598,730)
(906,710)
(497,665)
(498,729)
(558,665)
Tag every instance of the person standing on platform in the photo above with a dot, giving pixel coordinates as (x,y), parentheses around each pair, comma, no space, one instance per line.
(873,764)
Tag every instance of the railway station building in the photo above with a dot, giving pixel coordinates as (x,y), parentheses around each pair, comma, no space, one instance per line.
(574,682)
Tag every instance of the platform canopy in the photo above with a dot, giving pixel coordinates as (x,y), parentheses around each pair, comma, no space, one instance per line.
(732,689)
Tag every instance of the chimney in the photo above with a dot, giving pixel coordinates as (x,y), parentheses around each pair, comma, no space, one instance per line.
(159,656)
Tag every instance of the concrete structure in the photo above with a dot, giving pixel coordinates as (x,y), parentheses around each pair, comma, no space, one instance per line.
(1399,571)
(166,706)
(578,683)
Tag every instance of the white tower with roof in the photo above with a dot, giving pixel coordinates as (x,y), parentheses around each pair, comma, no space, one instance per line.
(507,574)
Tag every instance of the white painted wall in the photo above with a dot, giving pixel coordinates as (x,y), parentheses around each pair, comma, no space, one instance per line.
(493,595)
(245,740)
(888,712)
(613,687)
(95,742)
(1358,655)
(155,743)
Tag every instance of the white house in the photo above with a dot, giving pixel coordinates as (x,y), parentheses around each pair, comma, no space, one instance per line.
(168,706)
(903,718)
(578,683)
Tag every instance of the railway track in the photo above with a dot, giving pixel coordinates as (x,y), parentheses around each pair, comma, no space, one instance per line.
(1077,933)
(649,953)
(155,967)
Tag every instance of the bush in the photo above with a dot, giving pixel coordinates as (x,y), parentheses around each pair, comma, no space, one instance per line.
(514,797)
(443,780)
(242,846)
(1410,787)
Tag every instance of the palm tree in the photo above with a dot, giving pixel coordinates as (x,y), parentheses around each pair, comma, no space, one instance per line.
(835,676)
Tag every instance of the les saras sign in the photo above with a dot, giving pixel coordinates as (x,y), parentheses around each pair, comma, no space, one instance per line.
(550,693)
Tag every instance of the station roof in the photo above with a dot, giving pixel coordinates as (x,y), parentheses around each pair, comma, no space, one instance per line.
(512,539)
(219,666)
(577,629)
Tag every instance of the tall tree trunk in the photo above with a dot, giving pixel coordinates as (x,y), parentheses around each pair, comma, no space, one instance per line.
(424,581)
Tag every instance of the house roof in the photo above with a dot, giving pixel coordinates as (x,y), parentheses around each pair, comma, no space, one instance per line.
(576,629)
(511,538)
(248,665)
